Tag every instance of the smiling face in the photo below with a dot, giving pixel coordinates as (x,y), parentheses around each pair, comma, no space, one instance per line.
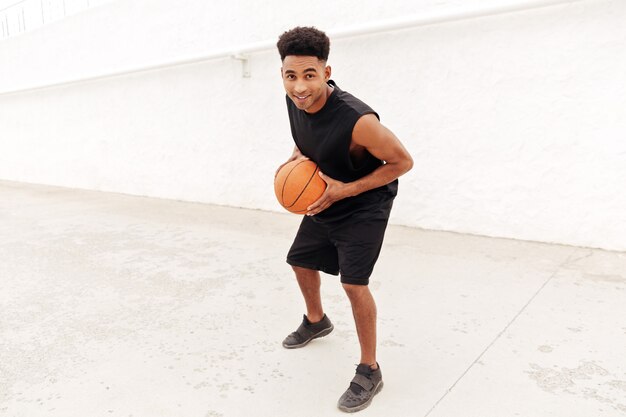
(304,78)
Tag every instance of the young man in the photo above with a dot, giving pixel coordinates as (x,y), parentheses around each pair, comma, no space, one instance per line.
(342,232)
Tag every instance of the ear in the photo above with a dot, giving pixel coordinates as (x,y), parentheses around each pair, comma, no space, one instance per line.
(327,72)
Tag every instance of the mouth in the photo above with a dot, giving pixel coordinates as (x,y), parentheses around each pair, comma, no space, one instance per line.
(301,98)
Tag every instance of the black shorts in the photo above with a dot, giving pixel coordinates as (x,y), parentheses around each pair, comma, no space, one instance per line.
(350,247)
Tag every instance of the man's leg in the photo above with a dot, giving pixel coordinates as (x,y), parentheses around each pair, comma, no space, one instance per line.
(364,311)
(315,323)
(368,380)
(310,283)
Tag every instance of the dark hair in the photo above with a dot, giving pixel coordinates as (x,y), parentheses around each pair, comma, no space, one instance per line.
(307,41)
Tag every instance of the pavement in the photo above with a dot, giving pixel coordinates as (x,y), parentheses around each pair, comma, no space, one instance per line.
(117,305)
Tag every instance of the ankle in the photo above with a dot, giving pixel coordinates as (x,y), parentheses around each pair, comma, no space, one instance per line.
(314,318)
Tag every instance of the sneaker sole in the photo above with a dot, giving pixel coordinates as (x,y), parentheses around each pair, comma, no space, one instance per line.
(366,404)
(323,333)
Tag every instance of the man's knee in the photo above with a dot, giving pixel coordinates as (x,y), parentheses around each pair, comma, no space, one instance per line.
(355,289)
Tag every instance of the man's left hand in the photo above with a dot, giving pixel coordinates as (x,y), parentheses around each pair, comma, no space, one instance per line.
(335,191)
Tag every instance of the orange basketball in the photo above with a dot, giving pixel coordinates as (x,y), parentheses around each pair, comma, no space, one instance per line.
(298,185)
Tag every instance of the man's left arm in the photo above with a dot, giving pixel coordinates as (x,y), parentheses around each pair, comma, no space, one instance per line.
(381,143)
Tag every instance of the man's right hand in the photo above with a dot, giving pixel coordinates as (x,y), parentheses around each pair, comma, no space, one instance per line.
(294,156)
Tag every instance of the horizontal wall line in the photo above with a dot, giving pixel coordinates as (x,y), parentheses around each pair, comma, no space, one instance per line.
(382,26)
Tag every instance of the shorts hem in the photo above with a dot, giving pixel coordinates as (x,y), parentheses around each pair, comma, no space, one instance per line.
(354,281)
(313,267)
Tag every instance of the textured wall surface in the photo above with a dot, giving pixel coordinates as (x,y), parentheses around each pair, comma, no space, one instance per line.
(516,122)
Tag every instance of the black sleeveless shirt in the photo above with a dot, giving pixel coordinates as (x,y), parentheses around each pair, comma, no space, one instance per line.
(325,138)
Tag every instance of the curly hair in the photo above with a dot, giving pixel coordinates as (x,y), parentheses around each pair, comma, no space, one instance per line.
(307,41)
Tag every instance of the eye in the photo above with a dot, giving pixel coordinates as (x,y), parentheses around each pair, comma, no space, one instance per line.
(309,76)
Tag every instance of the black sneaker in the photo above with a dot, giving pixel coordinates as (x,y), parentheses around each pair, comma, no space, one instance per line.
(365,384)
(307,332)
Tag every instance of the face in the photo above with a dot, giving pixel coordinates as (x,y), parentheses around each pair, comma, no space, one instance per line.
(304,78)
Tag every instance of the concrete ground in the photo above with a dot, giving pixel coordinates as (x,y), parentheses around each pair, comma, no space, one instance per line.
(114,305)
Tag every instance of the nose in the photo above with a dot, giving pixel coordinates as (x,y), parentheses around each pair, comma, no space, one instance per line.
(299,87)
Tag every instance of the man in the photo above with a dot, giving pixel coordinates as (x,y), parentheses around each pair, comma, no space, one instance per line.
(342,232)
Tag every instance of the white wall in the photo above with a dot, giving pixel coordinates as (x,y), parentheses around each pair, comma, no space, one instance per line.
(19,16)
(516,122)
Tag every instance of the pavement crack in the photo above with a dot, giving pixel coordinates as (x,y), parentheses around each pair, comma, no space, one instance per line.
(569,260)
(499,335)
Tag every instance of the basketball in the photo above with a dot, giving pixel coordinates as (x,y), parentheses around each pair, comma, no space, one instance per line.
(298,185)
